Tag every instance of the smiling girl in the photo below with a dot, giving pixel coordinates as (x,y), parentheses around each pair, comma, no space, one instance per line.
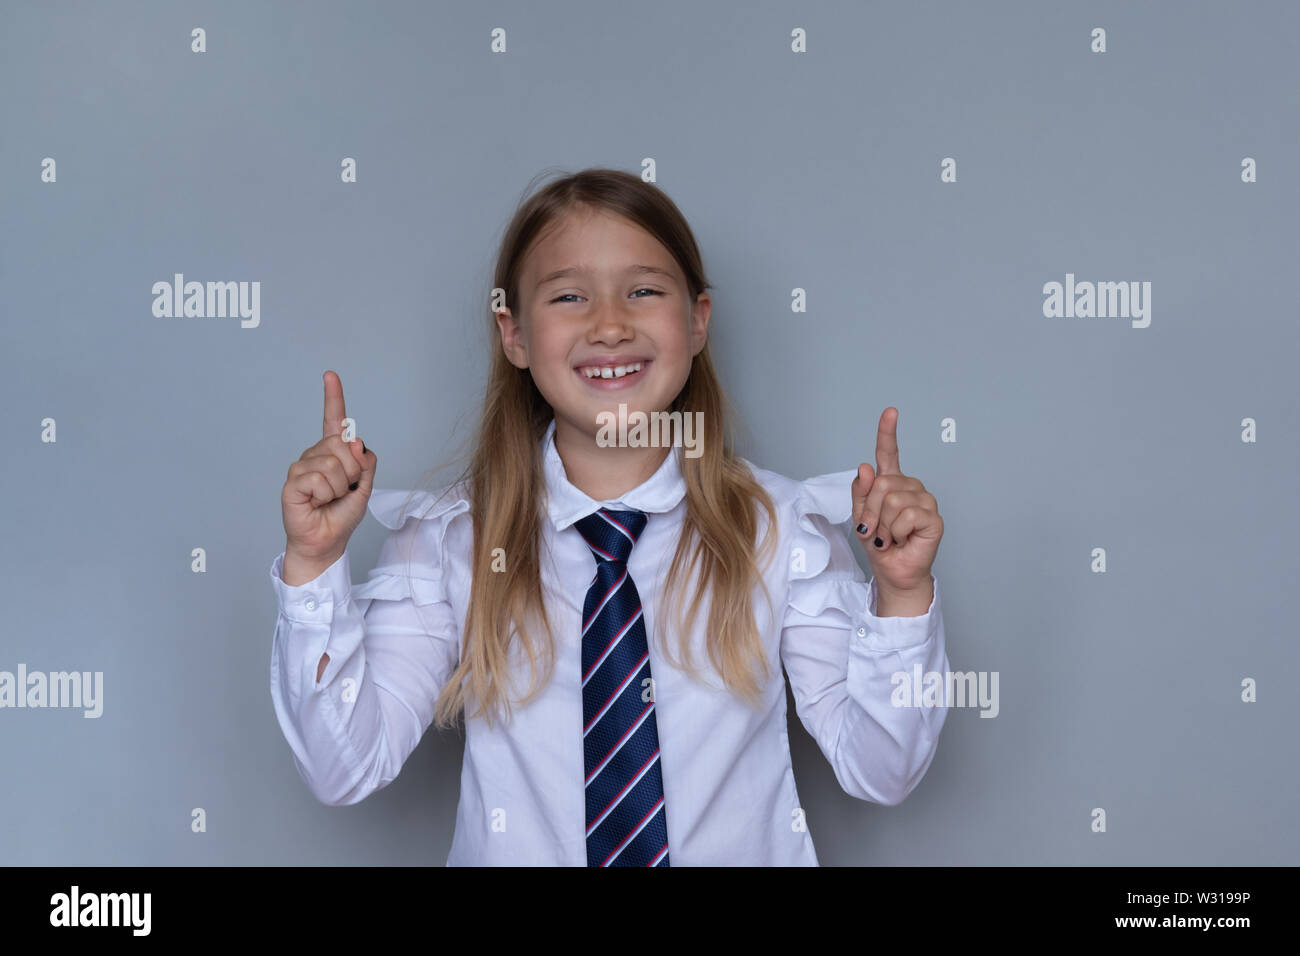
(646,599)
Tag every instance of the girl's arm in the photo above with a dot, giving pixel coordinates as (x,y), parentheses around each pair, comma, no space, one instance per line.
(355,671)
(849,667)
(848,673)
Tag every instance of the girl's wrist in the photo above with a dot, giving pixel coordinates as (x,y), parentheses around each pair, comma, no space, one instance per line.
(906,602)
(297,570)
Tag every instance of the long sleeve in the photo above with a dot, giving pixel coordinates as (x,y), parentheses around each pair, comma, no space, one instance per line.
(392,641)
(854,674)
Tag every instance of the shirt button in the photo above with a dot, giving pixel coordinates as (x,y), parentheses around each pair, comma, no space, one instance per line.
(862,632)
(310,605)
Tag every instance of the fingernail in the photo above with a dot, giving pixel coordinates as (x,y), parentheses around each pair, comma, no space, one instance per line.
(879,543)
(363,448)
(862,529)
(353,486)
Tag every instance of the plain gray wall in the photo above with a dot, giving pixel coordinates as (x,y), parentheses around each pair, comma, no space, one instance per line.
(817,171)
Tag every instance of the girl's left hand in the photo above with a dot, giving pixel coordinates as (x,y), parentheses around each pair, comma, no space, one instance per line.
(898,511)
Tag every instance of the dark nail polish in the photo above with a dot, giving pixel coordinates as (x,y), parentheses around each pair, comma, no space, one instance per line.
(862,529)
(364,449)
(353,487)
(879,543)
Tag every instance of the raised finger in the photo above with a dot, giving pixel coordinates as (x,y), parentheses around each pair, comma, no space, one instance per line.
(334,409)
(887,443)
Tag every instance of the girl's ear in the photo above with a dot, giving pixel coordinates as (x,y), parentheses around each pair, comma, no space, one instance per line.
(699,323)
(512,339)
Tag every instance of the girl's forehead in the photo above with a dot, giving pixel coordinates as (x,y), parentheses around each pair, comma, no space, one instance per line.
(578,242)
(591,225)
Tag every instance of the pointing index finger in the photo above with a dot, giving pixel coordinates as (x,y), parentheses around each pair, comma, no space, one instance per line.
(887,443)
(334,410)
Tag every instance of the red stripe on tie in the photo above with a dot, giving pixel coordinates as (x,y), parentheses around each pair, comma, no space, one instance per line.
(618,690)
(636,778)
(621,847)
(612,641)
(600,605)
(636,724)
(614,521)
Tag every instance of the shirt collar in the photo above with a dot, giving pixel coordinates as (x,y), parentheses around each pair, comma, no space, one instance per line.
(567,503)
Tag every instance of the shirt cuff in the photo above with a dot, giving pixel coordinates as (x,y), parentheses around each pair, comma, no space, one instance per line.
(892,633)
(315,601)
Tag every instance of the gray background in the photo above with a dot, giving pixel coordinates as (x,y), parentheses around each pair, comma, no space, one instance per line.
(820,171)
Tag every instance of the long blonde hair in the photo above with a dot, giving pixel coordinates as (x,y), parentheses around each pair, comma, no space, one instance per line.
(505,481)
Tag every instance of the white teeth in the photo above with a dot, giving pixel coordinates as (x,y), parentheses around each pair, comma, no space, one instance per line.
(611,371)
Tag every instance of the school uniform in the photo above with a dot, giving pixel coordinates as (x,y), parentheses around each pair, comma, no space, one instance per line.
(721,790)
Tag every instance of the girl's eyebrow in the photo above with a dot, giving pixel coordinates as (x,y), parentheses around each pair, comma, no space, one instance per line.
(571,270)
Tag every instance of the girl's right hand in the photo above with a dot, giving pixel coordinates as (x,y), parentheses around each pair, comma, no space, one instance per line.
(324,498)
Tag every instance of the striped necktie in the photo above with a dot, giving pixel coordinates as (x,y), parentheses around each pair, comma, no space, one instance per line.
(626,818)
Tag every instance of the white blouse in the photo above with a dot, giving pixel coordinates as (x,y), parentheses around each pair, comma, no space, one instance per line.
(729,789)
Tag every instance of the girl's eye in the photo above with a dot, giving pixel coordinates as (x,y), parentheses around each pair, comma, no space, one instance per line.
(572,295)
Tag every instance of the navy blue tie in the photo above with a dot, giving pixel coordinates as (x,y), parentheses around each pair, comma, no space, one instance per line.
(627,823)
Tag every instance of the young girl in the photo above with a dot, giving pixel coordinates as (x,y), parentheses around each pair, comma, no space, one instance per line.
(559,562)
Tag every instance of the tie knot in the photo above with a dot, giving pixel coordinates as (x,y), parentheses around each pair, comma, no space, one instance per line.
(610,534)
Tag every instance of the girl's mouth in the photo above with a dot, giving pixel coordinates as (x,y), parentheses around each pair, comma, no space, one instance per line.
(609,378)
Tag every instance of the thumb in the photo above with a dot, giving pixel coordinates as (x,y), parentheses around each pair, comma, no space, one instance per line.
(369,461)
(861,488)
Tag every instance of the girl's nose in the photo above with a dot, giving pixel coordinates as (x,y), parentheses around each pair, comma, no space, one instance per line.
(610,320)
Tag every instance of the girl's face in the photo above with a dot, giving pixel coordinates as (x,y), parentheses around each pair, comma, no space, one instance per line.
(600,291)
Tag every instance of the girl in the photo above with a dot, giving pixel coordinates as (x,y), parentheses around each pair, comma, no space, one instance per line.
(564,550)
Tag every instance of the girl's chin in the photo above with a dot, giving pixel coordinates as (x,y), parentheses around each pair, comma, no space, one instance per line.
(596,416)
(610,411)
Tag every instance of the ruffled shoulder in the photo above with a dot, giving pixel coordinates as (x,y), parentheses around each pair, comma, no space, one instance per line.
(412,560)
(824,573)
(391,507)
